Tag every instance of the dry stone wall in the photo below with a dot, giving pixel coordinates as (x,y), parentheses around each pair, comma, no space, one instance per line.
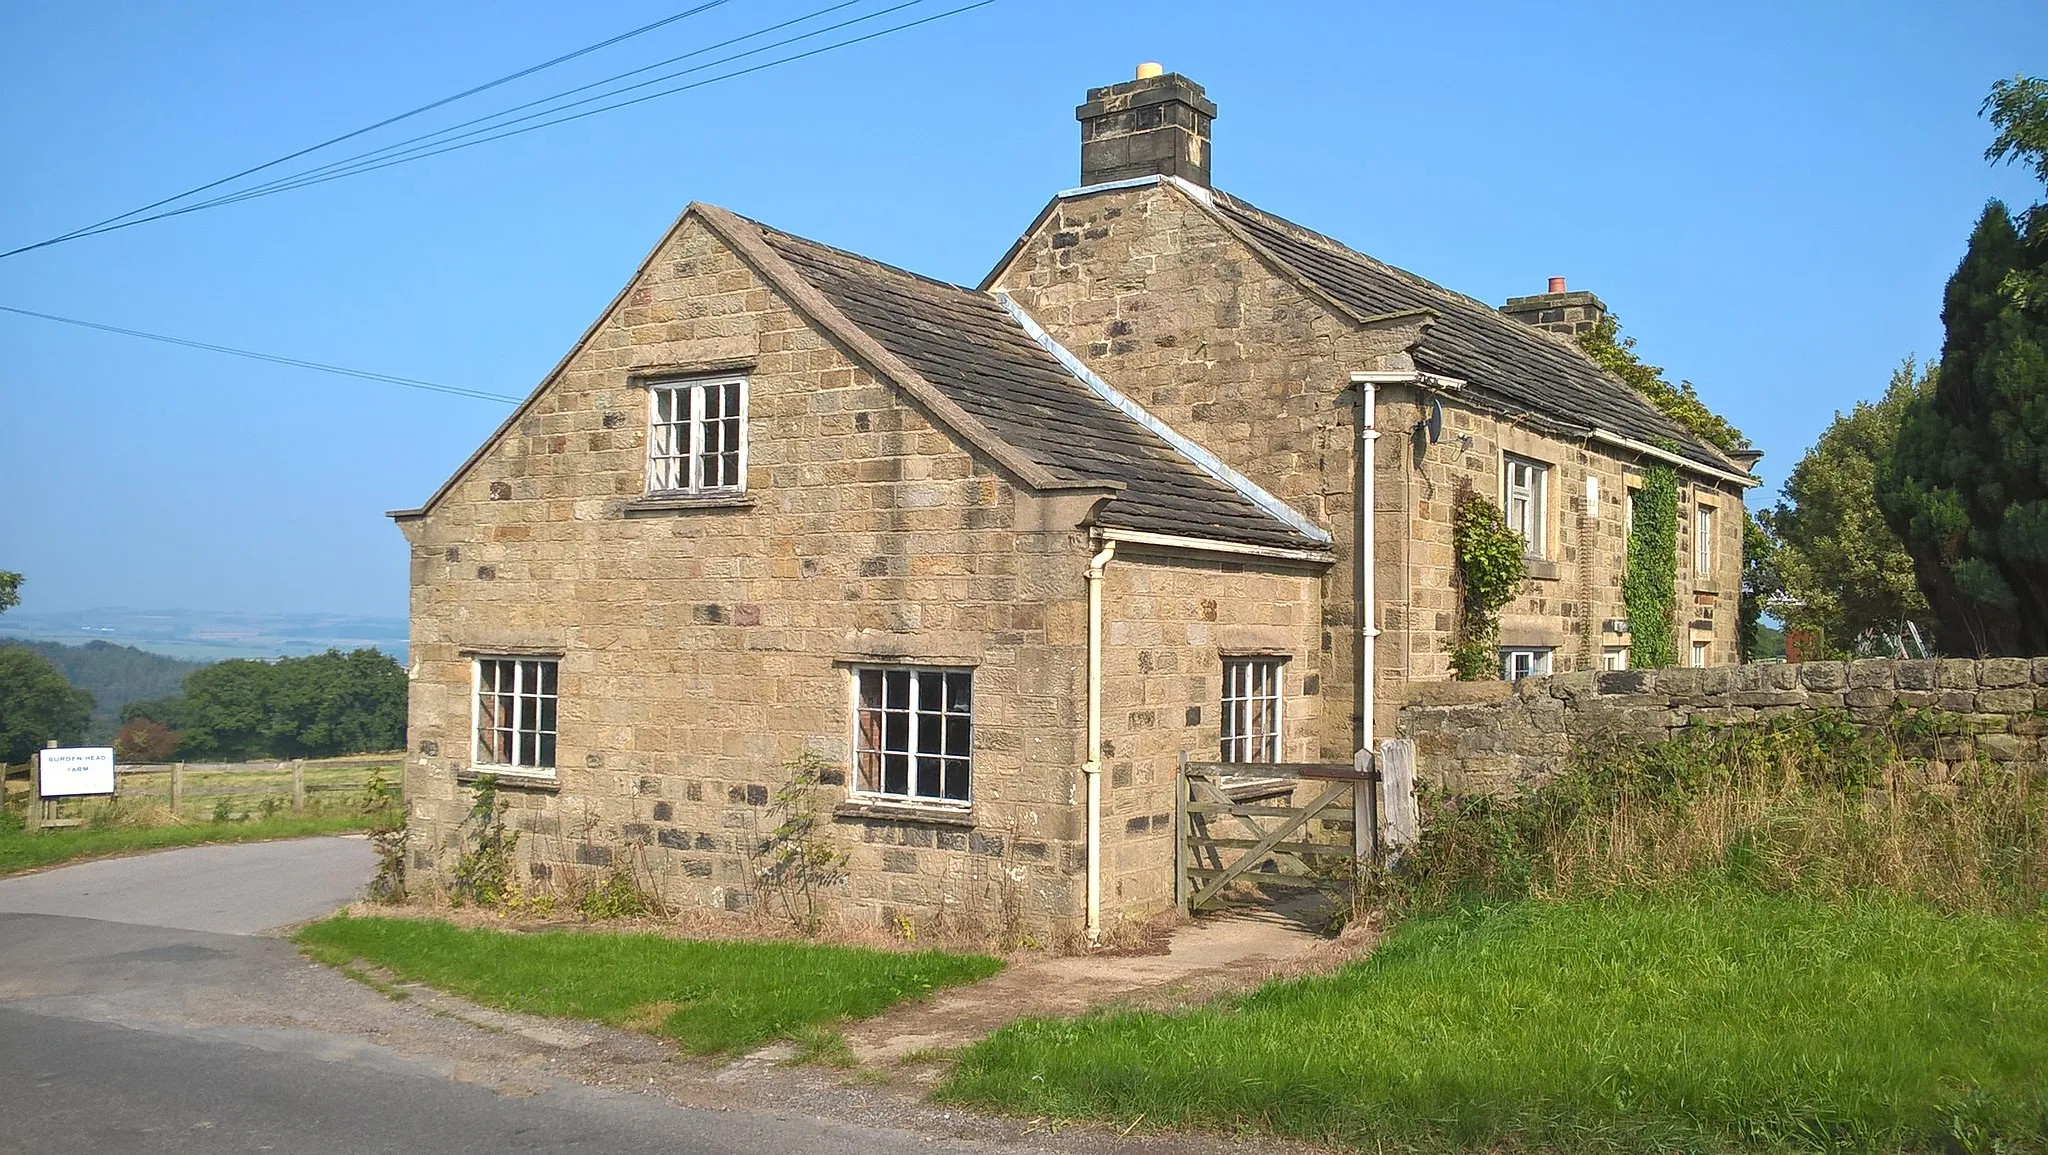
(1497,737)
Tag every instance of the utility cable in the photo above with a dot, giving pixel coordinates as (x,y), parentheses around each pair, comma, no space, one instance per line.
(462,144)
(364,374)
(92,229)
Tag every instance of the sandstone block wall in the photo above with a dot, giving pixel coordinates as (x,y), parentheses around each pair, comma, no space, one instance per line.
(1498,737)
(701,649)
(1169,624)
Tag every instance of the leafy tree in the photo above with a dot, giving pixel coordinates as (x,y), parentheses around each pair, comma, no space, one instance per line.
(1617,355)
(37,705)
(1844,571)
(10,590)
(145,741)
(331,703)
(1762,582)
(1967,484)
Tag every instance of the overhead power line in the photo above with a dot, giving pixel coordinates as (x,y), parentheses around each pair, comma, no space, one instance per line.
(295,362)
(385,157)
(508,78)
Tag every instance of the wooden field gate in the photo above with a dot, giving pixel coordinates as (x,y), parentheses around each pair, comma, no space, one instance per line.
(1274,821)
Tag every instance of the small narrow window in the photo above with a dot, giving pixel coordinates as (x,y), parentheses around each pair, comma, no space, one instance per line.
(1522,497)
(914,734)
(1613,658)
(1703,540)
(697,436)
(1251,710)
(1520,662)
(1699,655)
(514,708)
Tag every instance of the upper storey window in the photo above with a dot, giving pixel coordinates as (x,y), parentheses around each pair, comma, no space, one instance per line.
(1522,497)
(697,436)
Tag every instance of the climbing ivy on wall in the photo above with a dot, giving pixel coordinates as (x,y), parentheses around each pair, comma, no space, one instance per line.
(1491,567)
(1650,587)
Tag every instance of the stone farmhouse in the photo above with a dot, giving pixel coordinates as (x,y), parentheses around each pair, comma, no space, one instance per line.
(991,560)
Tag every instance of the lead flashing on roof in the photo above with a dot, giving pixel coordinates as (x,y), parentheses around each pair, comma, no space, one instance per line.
(1204,460)
(1187,186)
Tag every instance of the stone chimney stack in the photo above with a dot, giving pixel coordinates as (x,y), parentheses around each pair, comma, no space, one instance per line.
(1156,125)
(1557,310)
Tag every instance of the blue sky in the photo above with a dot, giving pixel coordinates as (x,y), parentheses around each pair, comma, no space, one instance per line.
(1771,197)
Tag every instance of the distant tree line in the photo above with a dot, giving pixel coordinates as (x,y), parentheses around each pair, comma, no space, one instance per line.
(311,707)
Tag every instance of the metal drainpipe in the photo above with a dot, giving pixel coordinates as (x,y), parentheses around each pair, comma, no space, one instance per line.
(1368,626)
(1091,770)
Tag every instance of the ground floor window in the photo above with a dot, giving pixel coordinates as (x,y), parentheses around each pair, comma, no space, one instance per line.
(1524,662)
(514,709)
(1614,658)
(1251,710)
(913,731)
(1699,655)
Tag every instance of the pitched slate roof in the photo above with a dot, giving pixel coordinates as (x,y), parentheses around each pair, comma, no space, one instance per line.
(981,358)
(1472,341)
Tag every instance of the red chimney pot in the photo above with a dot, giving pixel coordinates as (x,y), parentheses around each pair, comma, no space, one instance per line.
(1557,284)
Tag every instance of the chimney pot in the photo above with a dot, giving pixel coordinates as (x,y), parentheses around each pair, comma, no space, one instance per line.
(1150,69)
(1556,285)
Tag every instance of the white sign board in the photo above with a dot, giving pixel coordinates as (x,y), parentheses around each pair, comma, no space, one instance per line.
(79,770)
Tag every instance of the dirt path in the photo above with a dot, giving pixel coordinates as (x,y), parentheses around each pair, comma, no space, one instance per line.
(1201,959)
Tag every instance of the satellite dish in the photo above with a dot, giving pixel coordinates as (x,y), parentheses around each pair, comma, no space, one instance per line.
(1436,420)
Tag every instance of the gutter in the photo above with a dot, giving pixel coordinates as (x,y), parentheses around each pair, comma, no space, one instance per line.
(1665,455)
(1091,768)
(1208,545)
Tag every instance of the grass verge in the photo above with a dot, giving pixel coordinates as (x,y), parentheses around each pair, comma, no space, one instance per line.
(1716,1019)
(20,850)
(710,997)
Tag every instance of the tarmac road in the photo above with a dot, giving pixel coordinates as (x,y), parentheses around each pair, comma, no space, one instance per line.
(141,1012)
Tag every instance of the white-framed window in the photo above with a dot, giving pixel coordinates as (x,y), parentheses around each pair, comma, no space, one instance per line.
(697,436)
(1699,655)
(513,710)
(1252,704)
(1518,662)
(1522,497)
(1614,658)
(1628,519)
(1703,539)
(913,733)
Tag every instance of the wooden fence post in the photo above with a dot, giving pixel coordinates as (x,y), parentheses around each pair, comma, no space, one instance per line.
(298,786)
(177,787)
(1365,809)
(1182,821)
(1397,775)
(32,818)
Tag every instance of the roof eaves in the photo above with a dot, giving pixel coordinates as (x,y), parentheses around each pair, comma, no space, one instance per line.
(1200,457)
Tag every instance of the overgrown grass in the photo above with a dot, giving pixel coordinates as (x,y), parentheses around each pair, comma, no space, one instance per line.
(1708,1019)
(21,851)
(1800,935)
(708,996)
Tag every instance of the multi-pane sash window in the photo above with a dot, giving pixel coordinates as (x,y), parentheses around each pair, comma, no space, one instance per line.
(1524,662)
(913,733)
(1522,498)
(1699,655)
(697,436)
(1703,540)
(1251,710)
(515,714)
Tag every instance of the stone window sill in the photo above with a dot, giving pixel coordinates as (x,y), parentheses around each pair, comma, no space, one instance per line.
(509,780)
(686,502)
(903,812)
(1706,586)
(1543,569)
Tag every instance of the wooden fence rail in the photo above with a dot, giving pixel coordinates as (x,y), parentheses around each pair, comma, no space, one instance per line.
(295,783)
